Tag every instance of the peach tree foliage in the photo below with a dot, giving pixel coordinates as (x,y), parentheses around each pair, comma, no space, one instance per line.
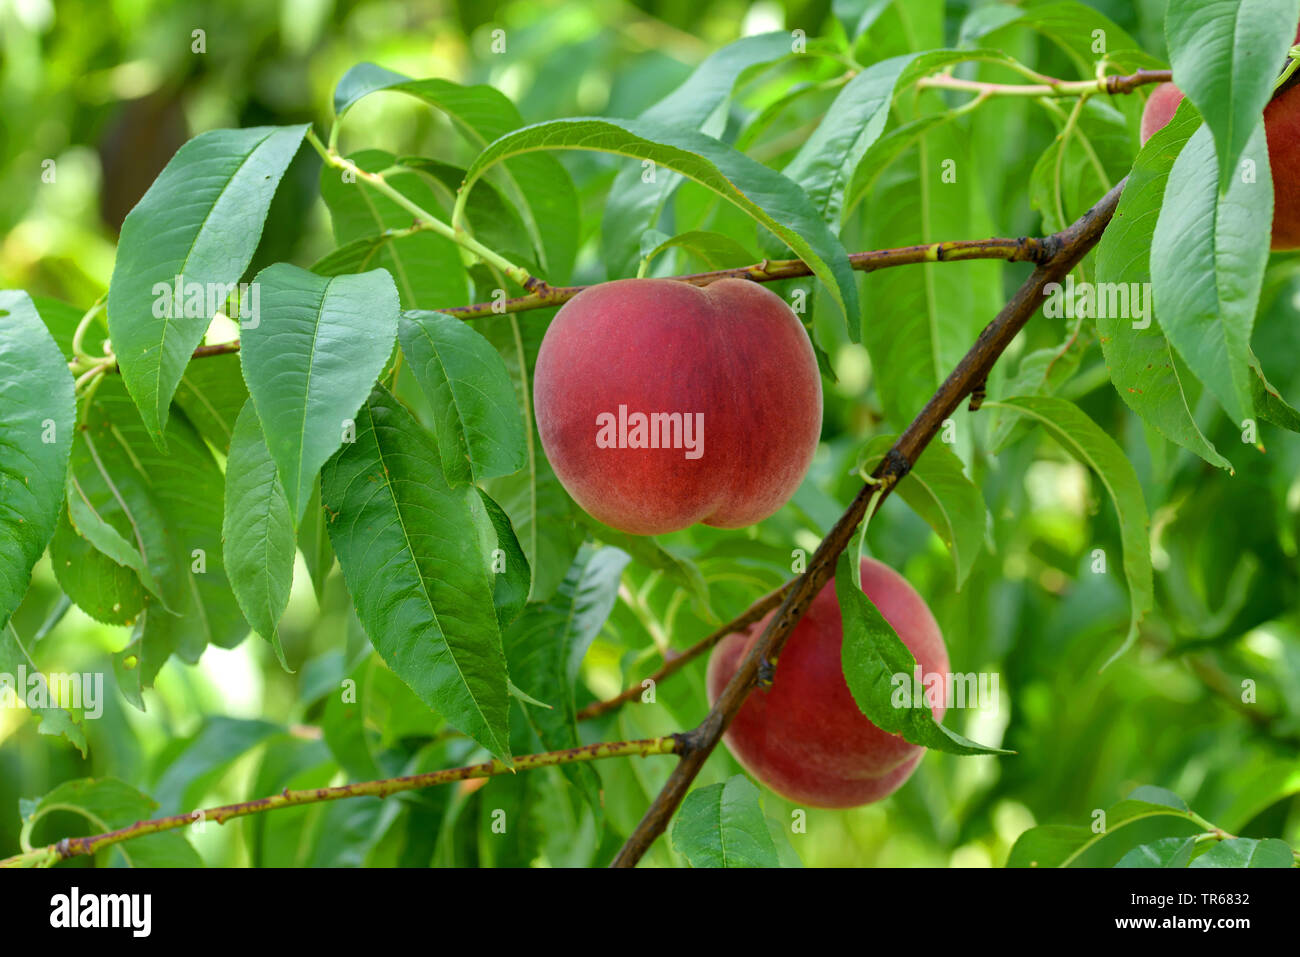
(368,420)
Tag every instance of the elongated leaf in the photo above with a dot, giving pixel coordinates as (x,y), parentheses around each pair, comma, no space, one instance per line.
(540,510)
(105,590)
(934,312)
(107,804)
(826,162)
(369,225)
(37,416)
(169,507)
(546,645)
(872,654)
(411,550)
(93,527)
(1137,353)
(314,543)
(1208,256)
(211,394)
(769,198)
(476,418)
(1086,441)
(716,250)
(634,205)
(539,186)
(513,577)
(1226,55)
(1247,852)
(1130,824)
(1166,852)
(311,361)
(200,221)
(723,825)
(201,760)
(257,531)
(15,660)
(939,491)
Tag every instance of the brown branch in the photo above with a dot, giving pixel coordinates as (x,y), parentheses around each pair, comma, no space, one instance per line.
(86,846)
(679,661)
(1064,250)
(543,296)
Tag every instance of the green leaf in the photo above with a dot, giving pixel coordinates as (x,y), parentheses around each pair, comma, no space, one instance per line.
(94,528)
(547,643)
(714,249)
(37,416)
(311,361)
(368,225)
(104,589)
(769,198)
(513,577)
(539,186)
(1247,852)
(201,220)
(168,507)
(198,763)
(634,205)
(1208,257)
(1226,55)
(1166,852)
(14,661)
(211,394)
(479,429)
(934,311)
(825,163)
(1137,353)
(1086,441)
(108,804)
(872,654)
(257,531)
(540,510)
(314,543)
(411,550)
(939,491)
(723,825)
(1128,825)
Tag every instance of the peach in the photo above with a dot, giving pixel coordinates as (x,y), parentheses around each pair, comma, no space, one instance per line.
(662,404)
(805,737)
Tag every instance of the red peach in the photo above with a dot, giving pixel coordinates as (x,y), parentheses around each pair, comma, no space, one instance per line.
(725,378)
(805,737)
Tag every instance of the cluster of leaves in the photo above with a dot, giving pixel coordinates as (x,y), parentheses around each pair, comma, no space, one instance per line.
(359,422)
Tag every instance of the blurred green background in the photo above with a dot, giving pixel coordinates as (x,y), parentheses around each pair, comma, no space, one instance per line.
(108,89)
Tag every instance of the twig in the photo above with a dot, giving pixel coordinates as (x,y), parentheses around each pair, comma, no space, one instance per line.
(84,846)
(543,296)
(1065,250)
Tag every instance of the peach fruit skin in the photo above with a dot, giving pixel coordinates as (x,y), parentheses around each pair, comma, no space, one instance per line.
(805,737)
(1281,125)
(731,350)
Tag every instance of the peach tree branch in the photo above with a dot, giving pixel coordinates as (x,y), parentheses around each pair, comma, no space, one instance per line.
(1063,251)
(50,854)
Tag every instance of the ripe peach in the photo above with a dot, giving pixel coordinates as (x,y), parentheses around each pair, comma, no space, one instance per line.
(805,737)
(661,404)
